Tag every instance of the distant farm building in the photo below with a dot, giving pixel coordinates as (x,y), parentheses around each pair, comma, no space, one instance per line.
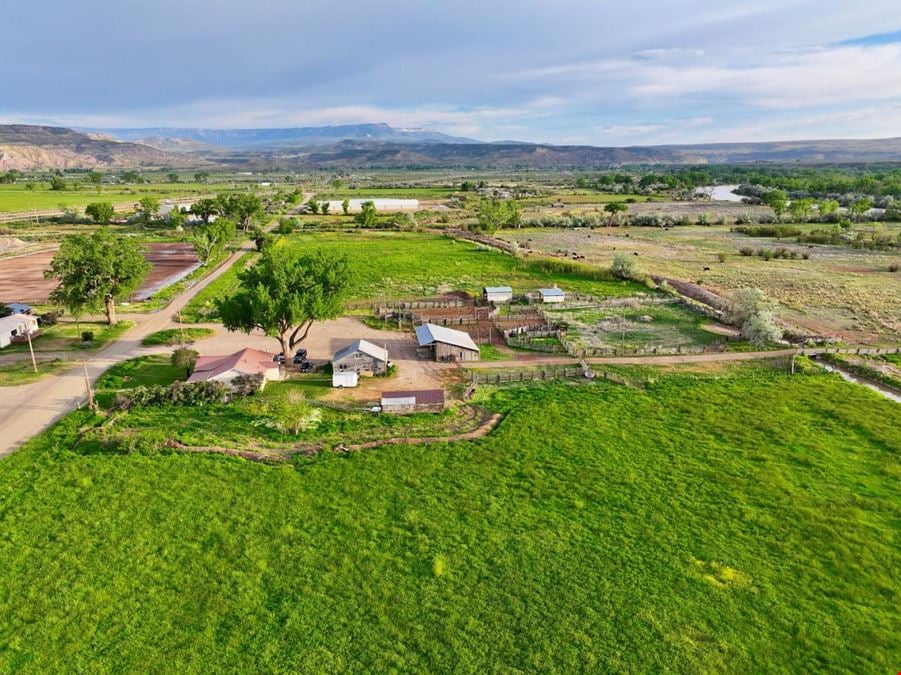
(361,357)
(226,368)
(447,344)
(382,205)
(424,400)
(498,293)
(552,294)
(17,328)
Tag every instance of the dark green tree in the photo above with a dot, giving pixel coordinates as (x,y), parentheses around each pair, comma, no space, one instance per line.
(285,292)
(95,270)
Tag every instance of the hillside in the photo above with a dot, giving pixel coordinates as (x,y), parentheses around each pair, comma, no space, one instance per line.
(351,154)
(25,147)
(191,139)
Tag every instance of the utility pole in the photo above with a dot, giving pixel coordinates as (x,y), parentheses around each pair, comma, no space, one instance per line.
(87,384)
(34,363)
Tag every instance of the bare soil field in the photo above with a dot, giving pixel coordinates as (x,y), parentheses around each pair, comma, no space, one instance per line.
(22,277)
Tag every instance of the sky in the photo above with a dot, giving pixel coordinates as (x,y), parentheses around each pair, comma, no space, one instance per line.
(557,71)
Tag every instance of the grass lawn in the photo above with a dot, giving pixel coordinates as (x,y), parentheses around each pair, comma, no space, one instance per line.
(22,372)
(176,336)
(66,336)
(741,522)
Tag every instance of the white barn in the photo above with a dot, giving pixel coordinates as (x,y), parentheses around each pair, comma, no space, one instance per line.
(552,295)
(498,293)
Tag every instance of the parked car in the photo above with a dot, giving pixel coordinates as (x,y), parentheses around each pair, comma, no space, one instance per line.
(279,358)
(306,366)
(300,354)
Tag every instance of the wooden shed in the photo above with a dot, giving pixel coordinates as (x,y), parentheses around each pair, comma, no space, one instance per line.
(403,402)
(447,344)
(361,357)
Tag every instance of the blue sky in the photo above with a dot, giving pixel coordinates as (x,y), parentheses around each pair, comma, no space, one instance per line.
(561,71)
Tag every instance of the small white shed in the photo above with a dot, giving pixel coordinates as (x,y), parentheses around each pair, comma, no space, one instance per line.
(498,293)
(346,378)
(552,294)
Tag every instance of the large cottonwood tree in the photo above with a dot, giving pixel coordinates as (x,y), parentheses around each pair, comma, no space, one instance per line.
(285,292)
(95,270)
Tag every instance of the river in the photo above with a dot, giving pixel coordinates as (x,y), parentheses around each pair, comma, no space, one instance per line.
(721,193)
(869,384)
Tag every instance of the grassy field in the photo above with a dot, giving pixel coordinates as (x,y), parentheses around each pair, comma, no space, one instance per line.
(838,289)
(22,372)
(201,307)
(640,327)
(177,336)
(16,198)
(740,522)
(393,265)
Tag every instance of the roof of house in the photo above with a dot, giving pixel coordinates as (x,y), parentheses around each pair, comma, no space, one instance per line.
(18,307)
(421,396)
(13,321)
(498,289)
(429,333)
(247,361)
(364,346)
(553,292)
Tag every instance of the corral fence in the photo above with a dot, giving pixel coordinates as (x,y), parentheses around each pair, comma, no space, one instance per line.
(548,374)
(388,308)
(581,352)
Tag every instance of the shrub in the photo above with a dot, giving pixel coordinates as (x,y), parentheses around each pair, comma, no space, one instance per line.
(761,329)
(746,251)
(624,266)
(893,267)
(721,257)
(185,358)
(178,393)
(247,385)
(87,336)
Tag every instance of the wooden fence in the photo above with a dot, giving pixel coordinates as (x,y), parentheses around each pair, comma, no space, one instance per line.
(548,374)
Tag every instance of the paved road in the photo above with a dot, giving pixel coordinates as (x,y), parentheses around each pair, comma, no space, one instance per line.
(28,409)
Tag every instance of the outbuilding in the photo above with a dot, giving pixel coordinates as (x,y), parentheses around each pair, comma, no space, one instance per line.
(17,327)
(422,400)
(498,293)
(361,357)
(226,368)
(447,344)
(19,308)
(552,295)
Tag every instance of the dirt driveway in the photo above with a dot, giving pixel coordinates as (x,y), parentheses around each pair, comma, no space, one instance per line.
(328,337)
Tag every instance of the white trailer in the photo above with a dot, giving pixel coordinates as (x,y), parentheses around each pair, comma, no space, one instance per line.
(345,378)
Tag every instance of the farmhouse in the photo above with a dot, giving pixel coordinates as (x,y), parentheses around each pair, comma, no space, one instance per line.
(552,294)
(19,308)
(447,344)
(423,400)
(361,357)
(498,293)
(226,368)
(17,327)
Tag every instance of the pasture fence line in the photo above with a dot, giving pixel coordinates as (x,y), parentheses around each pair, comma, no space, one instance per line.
(549,374)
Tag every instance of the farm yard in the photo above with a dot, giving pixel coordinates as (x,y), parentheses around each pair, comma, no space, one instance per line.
(597,532)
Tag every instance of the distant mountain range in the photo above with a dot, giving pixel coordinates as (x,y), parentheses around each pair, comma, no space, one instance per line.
(172,139)
(381,146)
